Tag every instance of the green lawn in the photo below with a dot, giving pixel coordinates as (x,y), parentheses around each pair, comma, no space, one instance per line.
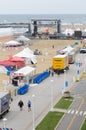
(64,103)
(84,125)
(50,121)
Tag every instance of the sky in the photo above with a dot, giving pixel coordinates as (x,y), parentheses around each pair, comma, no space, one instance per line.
(42,6)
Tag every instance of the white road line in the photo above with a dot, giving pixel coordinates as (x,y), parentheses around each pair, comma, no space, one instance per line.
(76,112)
(84,113)
(80,113)
(72,112)
(69,111)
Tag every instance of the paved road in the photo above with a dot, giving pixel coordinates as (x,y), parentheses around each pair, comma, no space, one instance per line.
(76,114)
(23,120)
(74,117)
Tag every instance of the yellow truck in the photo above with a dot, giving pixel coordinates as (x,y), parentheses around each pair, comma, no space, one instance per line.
(60,63)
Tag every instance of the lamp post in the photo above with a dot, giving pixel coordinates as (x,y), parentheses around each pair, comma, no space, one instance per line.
(33,96)
(78,68)
(51,95)
(4,122)
(65,81)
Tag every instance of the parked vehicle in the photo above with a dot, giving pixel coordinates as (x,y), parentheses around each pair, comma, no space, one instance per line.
(5,99)
(71,58)
(60,63)
(83,50)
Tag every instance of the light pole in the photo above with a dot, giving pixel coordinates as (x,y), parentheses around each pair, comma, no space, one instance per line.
(33,96)
(4,122)
(78,69)
(51,94)
(65,81)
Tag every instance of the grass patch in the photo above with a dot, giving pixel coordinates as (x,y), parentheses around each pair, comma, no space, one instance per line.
(84,125)
(50,121)
(64,103)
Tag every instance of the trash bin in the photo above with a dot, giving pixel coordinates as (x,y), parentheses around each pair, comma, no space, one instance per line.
(8,73)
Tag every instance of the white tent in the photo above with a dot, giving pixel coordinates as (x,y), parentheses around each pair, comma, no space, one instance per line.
(84,30)
(12,43)
(22,39)
(28,54)
(78,29)
(68,49)
(68,31)
(25,71)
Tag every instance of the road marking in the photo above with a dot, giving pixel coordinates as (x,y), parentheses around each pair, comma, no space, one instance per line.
(72,112)
(69,111)
(73,118)
(76,112)
(84,114)
(81,112)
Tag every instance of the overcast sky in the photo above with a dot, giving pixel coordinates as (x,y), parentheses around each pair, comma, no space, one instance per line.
(42,6)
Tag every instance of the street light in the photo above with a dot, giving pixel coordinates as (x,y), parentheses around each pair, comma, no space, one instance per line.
(78,68)
(51,95)
(4,122)
(65,81)
(33,96)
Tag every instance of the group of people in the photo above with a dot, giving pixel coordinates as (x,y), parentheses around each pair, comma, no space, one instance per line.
(21,104)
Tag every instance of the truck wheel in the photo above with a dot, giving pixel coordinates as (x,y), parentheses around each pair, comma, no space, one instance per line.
(1,117)
(7,110)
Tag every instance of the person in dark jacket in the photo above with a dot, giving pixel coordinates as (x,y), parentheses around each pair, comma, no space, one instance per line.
(29,105)
(21,104)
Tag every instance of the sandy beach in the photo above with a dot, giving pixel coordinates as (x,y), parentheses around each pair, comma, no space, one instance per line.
(44,61)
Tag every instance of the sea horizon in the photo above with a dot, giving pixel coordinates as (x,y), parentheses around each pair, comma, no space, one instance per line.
(66,19)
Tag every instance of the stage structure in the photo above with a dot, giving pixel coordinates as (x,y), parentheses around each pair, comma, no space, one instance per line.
(51,26)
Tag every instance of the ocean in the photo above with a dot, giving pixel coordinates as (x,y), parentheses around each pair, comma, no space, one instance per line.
(66,19)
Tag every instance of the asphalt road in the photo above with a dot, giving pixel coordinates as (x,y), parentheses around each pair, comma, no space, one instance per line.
(43,101)
(76,114)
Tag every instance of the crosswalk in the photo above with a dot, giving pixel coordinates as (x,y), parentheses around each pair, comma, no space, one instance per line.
(76,112)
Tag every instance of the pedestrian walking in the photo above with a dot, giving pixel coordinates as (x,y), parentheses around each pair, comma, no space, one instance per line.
(52,72)
(21,104)
(29,105)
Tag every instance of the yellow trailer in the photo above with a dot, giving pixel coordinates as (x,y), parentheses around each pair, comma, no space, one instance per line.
(60,63)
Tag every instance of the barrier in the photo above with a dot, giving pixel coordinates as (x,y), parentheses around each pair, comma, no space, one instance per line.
(41,77)
(6,129)
(24,89)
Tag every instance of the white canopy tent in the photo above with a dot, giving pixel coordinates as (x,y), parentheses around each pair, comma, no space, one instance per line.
(69,31)
(28,54)
(12,43)
(68,49)
(22,38)
(84,30)
(27,70)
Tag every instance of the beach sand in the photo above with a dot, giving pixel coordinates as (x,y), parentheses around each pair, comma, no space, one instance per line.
(44,61)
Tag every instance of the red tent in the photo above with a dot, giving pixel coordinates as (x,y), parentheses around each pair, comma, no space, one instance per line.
(7,63)
(14,62)
(16,58)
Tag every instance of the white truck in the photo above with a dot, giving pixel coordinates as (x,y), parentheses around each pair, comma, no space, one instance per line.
(5,99)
